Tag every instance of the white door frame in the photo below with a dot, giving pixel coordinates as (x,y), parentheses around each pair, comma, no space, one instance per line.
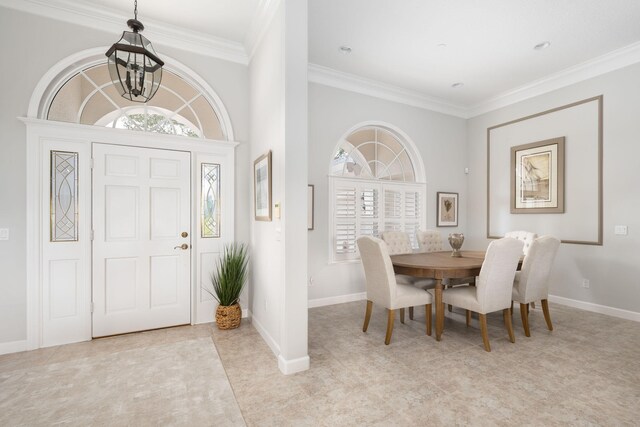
(45,135)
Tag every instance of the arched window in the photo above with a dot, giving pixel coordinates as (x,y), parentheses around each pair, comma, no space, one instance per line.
(178,108)
(373,187)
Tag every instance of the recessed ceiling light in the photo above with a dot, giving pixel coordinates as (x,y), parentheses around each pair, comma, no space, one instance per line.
(345,49)
(542,45)
(441,45)
(457,85)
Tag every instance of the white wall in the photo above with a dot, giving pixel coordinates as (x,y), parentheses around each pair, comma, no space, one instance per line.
(37,43)
(278,80)
(613,269)
(440,139)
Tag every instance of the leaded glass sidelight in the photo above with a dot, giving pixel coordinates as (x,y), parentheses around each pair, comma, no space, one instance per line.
(64,196)
(210,203)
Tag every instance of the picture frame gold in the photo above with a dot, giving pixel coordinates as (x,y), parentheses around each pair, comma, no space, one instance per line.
(262,187)
(537,177)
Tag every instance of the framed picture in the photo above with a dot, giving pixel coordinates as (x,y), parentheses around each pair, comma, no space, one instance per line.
(310,202)
(537,177)
(447,209)
(262,187)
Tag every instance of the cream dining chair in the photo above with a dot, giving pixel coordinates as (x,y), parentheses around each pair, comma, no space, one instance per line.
(398,243)
(493,288)
(382,288)
(431,241)
(527,238)
(532,282)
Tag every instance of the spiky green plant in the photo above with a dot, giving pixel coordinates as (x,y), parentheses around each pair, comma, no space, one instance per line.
(230,275)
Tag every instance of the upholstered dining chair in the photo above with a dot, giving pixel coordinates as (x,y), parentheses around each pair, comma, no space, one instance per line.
(532,282)
(431,241)
(493,288)
(382,288)
(398,242)
(527,237)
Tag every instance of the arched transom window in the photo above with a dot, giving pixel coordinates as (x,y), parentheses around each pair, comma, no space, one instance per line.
(373,152)
(178,108)
(373,188)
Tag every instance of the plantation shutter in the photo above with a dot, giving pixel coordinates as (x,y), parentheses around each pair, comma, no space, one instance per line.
(362,207)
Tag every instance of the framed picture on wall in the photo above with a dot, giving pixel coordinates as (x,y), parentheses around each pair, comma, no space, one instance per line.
(447,209)
(537,177)
(262,187)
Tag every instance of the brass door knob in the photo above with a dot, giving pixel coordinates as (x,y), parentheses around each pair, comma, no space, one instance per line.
(184,234)
(183,246)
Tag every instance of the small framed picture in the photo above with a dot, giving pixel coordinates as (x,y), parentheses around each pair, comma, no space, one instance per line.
(262,187)
(447,209)
(310,197)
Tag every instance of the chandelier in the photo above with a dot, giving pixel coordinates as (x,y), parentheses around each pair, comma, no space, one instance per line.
(135,69)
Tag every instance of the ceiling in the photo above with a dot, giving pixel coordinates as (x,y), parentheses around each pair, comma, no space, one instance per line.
(425,46)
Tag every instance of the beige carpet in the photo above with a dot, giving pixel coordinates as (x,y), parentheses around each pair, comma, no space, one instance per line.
(138,379)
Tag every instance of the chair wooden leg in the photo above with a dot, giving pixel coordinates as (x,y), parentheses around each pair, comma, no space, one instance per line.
(427,313)
(527,309)
(547,316)
(468,317)
(524,313)
(533,305)
(507,323)
(511,309)
(390,319)
(483,330)
(402,316)
(410,313)
(367,316)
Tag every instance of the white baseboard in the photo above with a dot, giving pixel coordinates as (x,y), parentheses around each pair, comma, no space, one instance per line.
(14,346)
(273,345)
(596,308)
(289,367)
(340,299)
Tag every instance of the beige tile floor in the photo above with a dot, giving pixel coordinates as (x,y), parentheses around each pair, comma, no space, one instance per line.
(585,372)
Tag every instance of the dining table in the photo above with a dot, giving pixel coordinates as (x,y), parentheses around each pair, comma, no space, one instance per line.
(439,266)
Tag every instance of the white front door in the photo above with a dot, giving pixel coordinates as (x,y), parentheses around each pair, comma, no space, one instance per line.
(142,239)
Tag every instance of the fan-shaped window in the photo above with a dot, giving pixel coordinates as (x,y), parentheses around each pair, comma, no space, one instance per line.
(373,189)
(373,153)
(178,108)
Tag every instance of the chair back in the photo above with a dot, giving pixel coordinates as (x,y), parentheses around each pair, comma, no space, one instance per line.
(397,242)
(378,270)
(533,284)
(430,241)
(495,283)
(526,236)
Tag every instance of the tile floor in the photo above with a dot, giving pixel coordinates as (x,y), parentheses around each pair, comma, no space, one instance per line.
(585,372)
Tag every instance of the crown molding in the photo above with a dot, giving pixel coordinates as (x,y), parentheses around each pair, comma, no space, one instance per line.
(108,20)
(603,64)
(338,79)
(259,25)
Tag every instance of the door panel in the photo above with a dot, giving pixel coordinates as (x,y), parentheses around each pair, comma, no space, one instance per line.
(141,205)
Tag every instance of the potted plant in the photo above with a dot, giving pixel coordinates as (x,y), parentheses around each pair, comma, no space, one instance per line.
(228,280)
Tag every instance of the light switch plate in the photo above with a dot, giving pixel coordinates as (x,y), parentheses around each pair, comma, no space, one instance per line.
(4,234)
(620,230)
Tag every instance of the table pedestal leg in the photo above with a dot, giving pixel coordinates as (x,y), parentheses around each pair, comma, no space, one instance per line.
(439,309)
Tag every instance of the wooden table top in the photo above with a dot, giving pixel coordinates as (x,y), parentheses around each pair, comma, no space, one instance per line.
(439,265)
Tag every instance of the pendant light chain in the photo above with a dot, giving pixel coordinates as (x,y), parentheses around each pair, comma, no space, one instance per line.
(135,9)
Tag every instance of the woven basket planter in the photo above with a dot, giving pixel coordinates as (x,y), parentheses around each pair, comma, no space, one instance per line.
(228,317)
